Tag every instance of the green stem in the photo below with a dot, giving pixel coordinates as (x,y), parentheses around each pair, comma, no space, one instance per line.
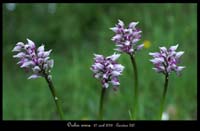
(135,101)
(164,96)
(55,97)
(101,103)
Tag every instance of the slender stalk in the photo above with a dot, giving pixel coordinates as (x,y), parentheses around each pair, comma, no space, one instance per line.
(135,100)
(55,97)
(164,96)
(101,103)
(130,114)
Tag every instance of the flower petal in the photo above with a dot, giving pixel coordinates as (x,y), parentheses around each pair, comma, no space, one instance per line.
(114,83)
(163,49)
(46,53)
(51,63)
(40,61)
(114,29)
(157,70)
(113,57)
(105,85)
(115,73)
(34,76)
(120,23)
(156,54)
(20,44)
(105,76)
(16,49)
(179,54)
(180,68)
(46,59)
(98,66)
(36,69)
(173,48)
(97,75)
(127,43)
(49,77)
(31,43)
(98,57)
(45,66)
(19,55)
(135,40)
(116,37)
(157,60)
(41,48)
(132,25)
(118,67)
(139,47)
(27,64)
(40,54)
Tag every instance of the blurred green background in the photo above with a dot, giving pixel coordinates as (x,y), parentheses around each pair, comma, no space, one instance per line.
(75,32)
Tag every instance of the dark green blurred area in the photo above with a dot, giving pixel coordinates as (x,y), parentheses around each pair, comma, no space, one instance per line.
(75,32)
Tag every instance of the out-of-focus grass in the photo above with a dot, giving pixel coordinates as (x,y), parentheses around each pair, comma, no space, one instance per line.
(75,32)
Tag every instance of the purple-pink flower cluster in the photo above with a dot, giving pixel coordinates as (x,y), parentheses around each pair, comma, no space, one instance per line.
(107,70)
(127,38)
(166,60)
(31,59)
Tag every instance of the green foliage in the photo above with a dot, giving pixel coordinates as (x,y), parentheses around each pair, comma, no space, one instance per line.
(75,32)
